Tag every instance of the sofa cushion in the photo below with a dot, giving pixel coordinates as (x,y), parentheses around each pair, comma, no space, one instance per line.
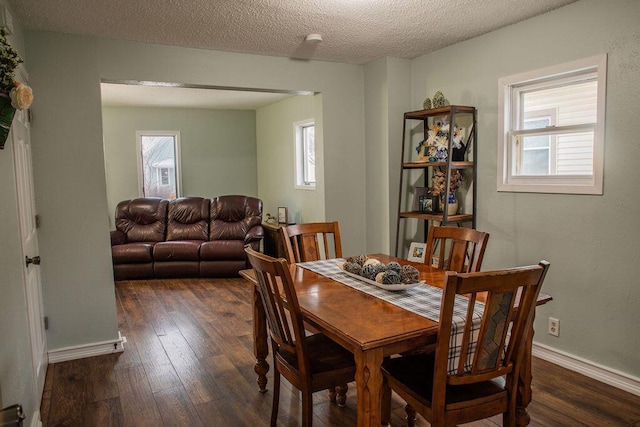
(188,219)
(233,216)
(223,250)
(176,269)
(143,219)
(133,271)
(219,268)
(180,250)
(132,253)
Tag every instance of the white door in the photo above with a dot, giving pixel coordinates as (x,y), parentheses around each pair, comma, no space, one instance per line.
(29,236)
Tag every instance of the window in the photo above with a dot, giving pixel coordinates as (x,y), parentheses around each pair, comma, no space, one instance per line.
(158,164)
(305,150)
(551,129)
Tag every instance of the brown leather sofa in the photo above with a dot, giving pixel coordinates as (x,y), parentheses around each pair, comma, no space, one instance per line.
(186,237)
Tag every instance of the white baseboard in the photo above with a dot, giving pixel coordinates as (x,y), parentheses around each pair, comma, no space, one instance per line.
(587,368)
(35,419)
(87,350)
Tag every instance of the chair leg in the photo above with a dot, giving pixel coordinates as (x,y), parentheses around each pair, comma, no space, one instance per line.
(342,394)
(331,391)
(411,415)
(307,408)
(276,397)
(386,404)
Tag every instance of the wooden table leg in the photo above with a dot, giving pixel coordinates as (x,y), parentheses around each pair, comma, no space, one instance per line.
(524,383)
(260,346)
(369,384)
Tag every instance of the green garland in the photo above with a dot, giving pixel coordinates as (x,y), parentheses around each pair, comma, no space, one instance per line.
(9,60)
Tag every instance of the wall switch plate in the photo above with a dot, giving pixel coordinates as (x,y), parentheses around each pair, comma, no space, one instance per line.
(554,327)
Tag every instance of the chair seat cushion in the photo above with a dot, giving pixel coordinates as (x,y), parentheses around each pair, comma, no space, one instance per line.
(179,250)
(415,373)
(132,253)
(324,355)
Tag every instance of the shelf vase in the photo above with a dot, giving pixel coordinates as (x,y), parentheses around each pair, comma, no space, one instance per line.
(452,206)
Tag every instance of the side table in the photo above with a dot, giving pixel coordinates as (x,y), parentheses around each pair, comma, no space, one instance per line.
(272,243)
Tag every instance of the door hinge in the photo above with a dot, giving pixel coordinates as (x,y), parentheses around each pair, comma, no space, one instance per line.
(46,323)
(37,221)
(29,115)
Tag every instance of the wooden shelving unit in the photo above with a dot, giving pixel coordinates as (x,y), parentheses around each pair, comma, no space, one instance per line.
(467,167)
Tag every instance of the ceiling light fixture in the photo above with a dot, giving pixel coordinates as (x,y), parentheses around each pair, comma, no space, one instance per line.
(313,38)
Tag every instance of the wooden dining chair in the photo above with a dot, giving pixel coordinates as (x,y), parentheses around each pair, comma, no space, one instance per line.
(312,241)
(309,362)
(457,249)
(485,383)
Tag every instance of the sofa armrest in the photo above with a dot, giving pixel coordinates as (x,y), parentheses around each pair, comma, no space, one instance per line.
(255,234)
(118,238)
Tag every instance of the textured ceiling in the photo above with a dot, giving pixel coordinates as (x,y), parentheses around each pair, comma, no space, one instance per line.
(354,31)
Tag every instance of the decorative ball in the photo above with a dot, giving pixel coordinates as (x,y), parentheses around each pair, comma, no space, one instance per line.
(351,259)
(380,277)
(371,261)
(409,274)
(390,277)
(369,271)
(395,267)
(438,100)
(426,104)
(353,267)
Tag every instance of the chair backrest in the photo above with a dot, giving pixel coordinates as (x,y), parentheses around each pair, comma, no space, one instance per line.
(501,337)
(311,241)
(457,248)
(280,303)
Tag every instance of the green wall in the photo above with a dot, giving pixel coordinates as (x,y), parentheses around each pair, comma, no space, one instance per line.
(218,150)
(68,157)
(276,159)
(387,97)
(591,241)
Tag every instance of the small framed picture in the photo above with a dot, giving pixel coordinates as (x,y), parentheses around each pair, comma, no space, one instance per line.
(417,252)
(282,215)
(429,204)
(418,193)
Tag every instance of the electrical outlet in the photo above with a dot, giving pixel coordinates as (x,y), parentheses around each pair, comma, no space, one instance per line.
(554,327)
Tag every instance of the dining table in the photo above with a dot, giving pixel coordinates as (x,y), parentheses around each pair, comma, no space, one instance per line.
(371,327)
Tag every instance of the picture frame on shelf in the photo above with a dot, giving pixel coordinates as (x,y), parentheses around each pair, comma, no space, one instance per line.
(282,215)
(417,252)
(429,204)
(417,193)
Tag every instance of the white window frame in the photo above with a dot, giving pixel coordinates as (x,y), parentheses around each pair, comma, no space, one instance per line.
(551,113)
(508,118)
(176,137)
(299,155)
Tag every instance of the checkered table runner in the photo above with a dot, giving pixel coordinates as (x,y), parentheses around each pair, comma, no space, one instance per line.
(422,300)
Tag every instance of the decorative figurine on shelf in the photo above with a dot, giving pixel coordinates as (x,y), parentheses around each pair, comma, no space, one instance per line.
(426,104)
(439,100)
(437,136)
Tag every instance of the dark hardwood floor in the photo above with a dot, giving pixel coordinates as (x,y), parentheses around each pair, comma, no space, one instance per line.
(188,360)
